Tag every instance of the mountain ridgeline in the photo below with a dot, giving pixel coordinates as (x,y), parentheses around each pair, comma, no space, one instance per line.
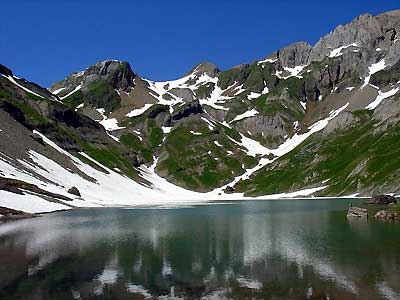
(323,118)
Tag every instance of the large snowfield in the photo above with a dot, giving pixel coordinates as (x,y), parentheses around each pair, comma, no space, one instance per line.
(114,189)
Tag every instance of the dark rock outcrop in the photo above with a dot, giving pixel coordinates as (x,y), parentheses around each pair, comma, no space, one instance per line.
(229,190)
(36,137)
(192,108)
(5,71)
(9,214)
(382,199)
(19,187)
(74,191)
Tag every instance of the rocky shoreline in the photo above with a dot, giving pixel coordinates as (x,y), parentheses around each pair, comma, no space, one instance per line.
(7,214)
(390,212)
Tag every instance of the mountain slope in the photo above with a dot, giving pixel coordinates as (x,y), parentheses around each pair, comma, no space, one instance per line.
(320,118)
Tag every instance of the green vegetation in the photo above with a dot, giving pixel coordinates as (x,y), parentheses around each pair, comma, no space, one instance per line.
(155,134)
(74,100)
(204,90)
(34,97)
(197,162)
(111,157)
(101,94)
(150,113)
(395,209)
(133,142)
(24,113)
(351,160)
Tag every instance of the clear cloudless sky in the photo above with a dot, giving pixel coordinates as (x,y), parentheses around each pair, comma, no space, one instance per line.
(45,40)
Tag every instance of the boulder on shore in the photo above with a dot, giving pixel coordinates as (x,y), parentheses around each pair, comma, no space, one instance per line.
(74,191)
(229,190)
(357,212)
(387,215)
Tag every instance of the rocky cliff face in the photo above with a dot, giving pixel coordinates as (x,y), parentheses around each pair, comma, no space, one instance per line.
(304,117)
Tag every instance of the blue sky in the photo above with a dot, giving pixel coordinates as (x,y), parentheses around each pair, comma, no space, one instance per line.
(44,41)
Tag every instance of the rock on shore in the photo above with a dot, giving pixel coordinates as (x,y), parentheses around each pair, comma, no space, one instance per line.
(357,212)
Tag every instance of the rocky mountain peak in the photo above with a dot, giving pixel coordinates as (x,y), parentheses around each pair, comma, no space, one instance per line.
(205,68)
(296,54)
(366,32)
(118,73)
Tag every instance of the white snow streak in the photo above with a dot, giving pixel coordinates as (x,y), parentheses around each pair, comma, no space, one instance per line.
(139,111)
(338,51)
(247,114)
(72,92)
(11,78)
(382,96)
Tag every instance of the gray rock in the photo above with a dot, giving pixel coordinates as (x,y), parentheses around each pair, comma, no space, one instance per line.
(296,54)
(357,212)
(205,68)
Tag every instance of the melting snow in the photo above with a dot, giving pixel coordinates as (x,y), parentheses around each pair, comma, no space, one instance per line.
(374,68)
(11,78)
(139,111)
(247,114)
(73,91)
(253,95)
(382,96)
(107,185)
(57,91)
(108,124)
(166,130)
(218,144)
(267,60)
(210,124)
(195,133)
(338,51)
(293,72)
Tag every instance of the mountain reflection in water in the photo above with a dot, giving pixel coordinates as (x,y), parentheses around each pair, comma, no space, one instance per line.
(292,249)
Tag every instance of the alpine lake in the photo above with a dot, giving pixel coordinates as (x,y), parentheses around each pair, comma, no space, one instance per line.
(287,249)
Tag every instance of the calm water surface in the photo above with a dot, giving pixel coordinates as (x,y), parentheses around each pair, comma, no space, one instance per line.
(292,249)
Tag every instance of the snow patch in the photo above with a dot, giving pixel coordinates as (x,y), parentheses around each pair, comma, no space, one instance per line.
(374,68)
(138,111)
(11,78)
(57,91)
(382,96)
(166,130)
(218,144)
(195,133)
(72,92)
(108,124)
(267,60)
(247,114)
(253,95)
(338,51)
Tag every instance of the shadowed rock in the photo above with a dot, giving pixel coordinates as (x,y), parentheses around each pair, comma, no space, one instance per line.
(74,191)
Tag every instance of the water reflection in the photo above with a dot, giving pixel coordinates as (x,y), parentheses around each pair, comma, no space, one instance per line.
(261,250)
